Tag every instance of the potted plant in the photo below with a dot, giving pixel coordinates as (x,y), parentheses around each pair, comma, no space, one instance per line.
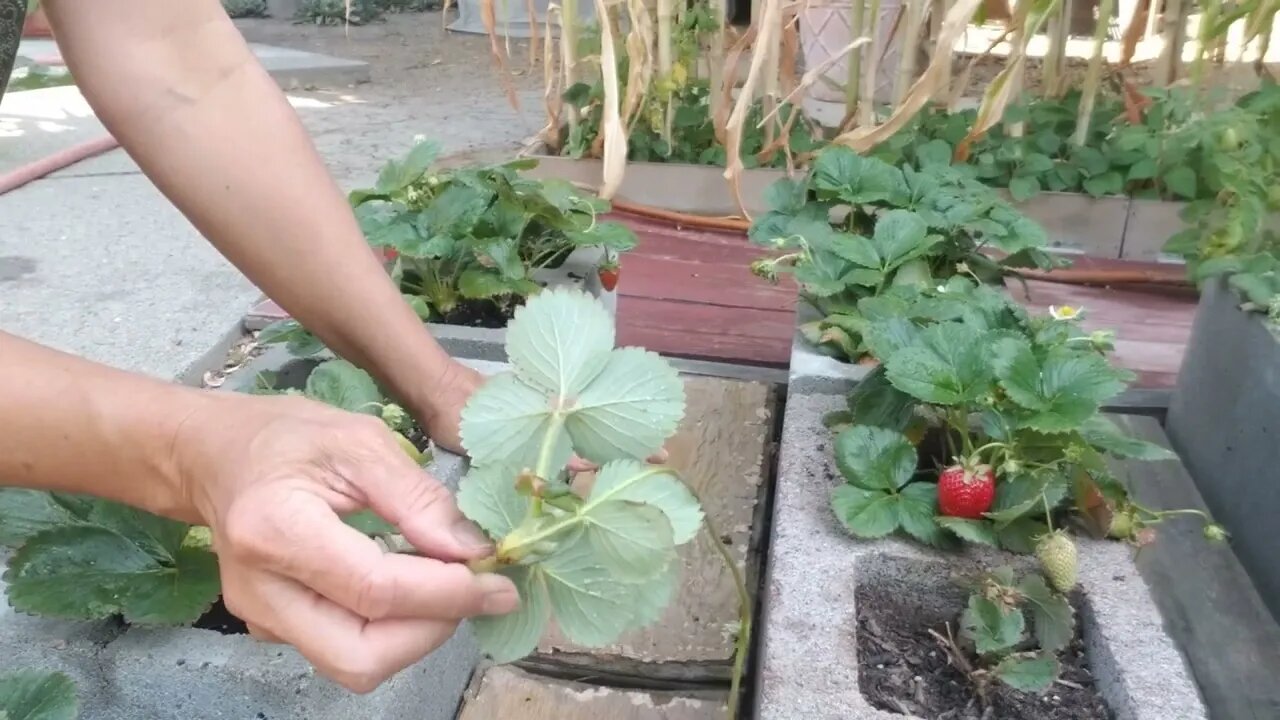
(468,246)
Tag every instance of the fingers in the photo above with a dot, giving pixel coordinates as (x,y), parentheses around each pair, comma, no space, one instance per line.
(422,509)
(318,550)
(354,652)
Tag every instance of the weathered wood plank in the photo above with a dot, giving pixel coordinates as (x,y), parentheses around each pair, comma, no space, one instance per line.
(1209,604)
(730,285)
(722,449)
(505,693)
(706,331)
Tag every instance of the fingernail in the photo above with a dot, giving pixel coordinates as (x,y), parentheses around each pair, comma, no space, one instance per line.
(500,595)
(469,536)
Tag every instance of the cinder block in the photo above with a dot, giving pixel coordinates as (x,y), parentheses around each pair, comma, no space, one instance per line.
(815,569)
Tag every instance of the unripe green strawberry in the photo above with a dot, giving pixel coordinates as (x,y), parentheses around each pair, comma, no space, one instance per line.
(1057,555)
(1121,526)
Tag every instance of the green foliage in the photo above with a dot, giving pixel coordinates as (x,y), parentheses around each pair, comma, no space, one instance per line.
(859,235)
(83,558)
(477,234)
(967,367)
(245,8)
(599,562)
(994,624)
(38,695)
(336,12)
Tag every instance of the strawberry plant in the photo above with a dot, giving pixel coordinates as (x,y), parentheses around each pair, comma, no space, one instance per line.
(600,559)
(856,228)
(37,695)
(982,423)
(469,241)
(997,643)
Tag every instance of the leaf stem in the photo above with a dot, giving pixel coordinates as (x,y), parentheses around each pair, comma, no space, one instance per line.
(1048,511)
(743,641)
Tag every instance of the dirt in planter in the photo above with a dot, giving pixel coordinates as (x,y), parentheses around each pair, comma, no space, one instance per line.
(480,313)
(219,619)
(902,668)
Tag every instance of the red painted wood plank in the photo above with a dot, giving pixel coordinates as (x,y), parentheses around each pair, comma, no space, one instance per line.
(728,285)
(704,331)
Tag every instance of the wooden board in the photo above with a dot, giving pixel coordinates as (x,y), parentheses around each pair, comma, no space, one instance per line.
(505,693)
(723,449)
(1210,606)
(1151,329)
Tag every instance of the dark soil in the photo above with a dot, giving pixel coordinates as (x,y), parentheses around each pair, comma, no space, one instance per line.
(418,438)
(903,669)
(480,313)
(219,619)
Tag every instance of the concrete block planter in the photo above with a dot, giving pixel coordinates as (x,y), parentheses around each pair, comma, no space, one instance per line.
(479,343)
(808,664)
(1224,420)
(696,189)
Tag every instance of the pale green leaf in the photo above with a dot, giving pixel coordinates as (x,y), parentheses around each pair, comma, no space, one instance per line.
(947,365)
(899,236)
(482,283)
(875,458)
(885,338)
(640,482)
(991,628)
(368,522)
(38,695)
(505,421)
(345,386)
(1052,618)
(1028,674)
(1020,536)
(510,637)
(629,409)
(649,599)
(591,606)
(867,514)
(488,497)
(89,572)
(633,540)
(559,341)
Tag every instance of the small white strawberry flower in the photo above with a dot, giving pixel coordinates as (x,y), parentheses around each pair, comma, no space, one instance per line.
(419,139)
(941,288)
(1065,312)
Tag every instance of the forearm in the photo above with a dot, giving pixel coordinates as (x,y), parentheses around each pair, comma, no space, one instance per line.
(177,85)
(73,425)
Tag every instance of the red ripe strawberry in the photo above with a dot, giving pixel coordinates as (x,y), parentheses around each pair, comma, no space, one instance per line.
(966,492)
(608,273)
(389,254)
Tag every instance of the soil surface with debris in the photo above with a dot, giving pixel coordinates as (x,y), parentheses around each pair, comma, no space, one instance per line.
(903,669)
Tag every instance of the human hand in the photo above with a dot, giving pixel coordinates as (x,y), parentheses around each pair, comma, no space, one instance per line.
(271,476)
(442,415)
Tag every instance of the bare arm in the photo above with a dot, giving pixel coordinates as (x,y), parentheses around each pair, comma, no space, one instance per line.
(177,85)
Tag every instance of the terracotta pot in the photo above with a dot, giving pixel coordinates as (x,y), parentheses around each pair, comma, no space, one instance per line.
(37,25)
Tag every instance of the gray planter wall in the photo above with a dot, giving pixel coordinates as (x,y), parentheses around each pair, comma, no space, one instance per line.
(815,570)
(1224,420)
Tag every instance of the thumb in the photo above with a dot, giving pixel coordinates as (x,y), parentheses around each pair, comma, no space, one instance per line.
(424,511)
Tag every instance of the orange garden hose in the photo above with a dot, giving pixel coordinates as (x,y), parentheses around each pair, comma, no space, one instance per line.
(63,158)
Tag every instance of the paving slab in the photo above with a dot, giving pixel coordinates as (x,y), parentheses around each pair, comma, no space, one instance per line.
(723,451)
(106,268)
(505,692)
(291,68)
(35,124)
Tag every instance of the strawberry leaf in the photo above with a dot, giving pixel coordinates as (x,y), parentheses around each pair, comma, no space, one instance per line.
(1062,391)
(488,497)
(1034,673)
(89,572)
(1104,435)
(990,628)
(24,513)
(629,409)
(917,513)
(543,355)
(876,402)
(875,458)
(505,421)
(977,531)
(947,365)
(637,482)
(867,514)
(507,638)
(1052,618)
(38,695)
(345,386)
(591,605)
